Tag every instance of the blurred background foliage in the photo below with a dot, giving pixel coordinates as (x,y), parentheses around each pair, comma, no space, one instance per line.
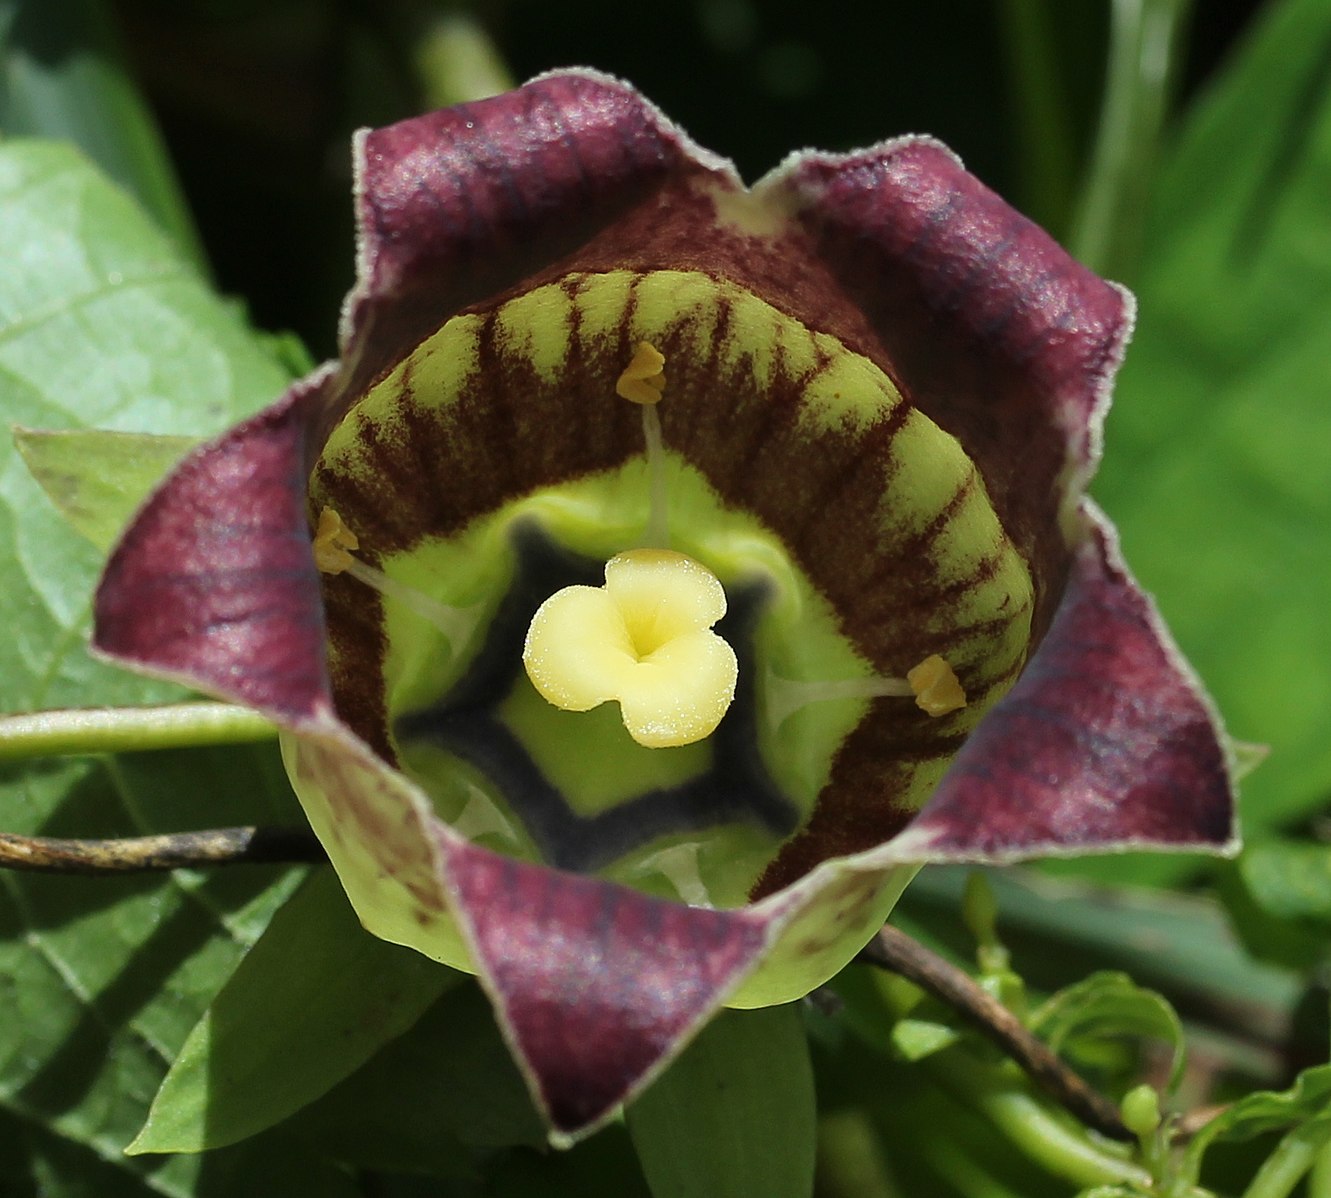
(257,98)
(1184,149)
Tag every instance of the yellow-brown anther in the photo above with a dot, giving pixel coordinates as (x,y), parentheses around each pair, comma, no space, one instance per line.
(333,544)
(643,380)
(936,688)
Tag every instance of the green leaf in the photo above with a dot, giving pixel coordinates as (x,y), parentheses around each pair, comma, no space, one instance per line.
(1290,879)
(1219,443)
(63,77)
(427,1098)
(97,479)
(1278,895)
(1108,1005)
(734,1115)
(103,323)
(1307,1101)
(916,1039)
(1057,930)
(313,1000)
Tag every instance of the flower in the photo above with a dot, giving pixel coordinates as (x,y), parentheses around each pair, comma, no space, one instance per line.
(585,371)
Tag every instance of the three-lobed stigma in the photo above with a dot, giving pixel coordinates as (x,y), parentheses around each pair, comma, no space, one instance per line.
(645,640)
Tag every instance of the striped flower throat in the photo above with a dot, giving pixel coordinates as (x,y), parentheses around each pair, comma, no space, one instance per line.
(645,638)
(625,672)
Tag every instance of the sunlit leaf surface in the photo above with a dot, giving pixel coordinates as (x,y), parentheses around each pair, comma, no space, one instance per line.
(102,323)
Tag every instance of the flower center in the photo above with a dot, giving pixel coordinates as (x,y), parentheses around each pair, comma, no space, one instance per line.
(624,645)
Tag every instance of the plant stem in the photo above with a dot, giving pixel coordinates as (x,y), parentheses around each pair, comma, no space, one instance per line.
(1048,1137)
(896,951)
(176,850)
(129,729)
(1292,1158)
(453,59)
(1045,143)
(1143,50)
(1319,1180)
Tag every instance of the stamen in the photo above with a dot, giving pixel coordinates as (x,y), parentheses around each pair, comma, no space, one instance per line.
(936,688)
(333,545)
(643,379)
(786,696)
(933,684)
(645,640)
(643,383)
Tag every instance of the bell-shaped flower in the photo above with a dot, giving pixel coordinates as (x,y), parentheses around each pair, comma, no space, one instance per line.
(667,569)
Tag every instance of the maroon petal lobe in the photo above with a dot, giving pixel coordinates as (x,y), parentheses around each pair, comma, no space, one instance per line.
(214,584)
(993,330)
(1105,742)
(459,205)
(596,985)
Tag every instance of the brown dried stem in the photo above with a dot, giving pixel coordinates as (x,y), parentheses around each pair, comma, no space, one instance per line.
(895,951)
(176,850)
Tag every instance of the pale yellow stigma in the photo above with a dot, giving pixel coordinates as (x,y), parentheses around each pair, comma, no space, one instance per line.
(645,640)
(643,380)
(936,688)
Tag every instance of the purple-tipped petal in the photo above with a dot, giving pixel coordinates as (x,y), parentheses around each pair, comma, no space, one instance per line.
(597,986)
(993,330)
(457,206)
(1105,742)
(214,584)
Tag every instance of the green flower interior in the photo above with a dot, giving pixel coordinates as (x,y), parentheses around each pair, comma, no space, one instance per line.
(496,465)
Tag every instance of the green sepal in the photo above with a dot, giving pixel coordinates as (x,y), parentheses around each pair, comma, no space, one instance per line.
(734,1115)
(311,1002)
(97,478)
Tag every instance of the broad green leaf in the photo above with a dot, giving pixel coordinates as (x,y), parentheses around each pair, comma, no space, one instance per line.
(1219,443)
(102,323)
(96,478)
(1108,1005)
(1308,1100)
(313,1000)
(429,1097)
(733,1116)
